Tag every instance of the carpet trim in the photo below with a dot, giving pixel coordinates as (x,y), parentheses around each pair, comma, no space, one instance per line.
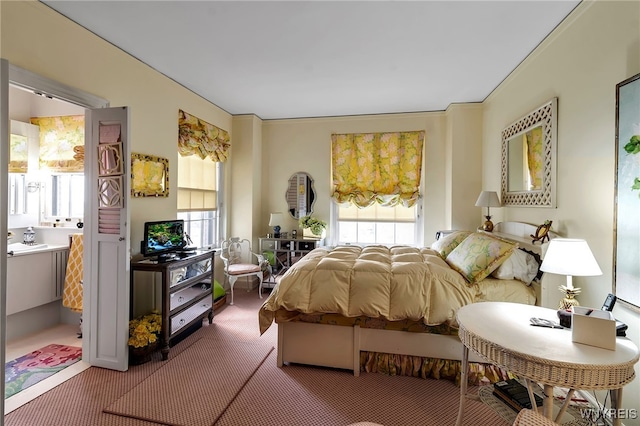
(193,371)
(242,387)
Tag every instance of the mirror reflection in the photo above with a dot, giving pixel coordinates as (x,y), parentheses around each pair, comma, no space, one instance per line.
(17,193)
(300,195)
(526,157)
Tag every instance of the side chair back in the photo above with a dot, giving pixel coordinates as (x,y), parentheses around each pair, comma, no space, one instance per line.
(238,259)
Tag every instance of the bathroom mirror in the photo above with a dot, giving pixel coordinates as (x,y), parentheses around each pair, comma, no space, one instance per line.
(300,195)
(529,159)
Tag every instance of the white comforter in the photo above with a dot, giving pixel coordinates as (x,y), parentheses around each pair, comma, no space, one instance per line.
(375,281)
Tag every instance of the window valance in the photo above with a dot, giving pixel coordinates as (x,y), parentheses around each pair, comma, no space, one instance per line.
(383,168)
(59,139)
(197,137)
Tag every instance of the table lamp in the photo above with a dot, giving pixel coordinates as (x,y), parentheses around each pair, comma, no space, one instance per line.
(566,256)
(488,199)
(275,219)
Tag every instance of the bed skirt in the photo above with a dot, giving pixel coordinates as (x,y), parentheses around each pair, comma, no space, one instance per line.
(430,368)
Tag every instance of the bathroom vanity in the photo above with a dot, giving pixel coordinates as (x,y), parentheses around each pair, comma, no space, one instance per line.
(35,277)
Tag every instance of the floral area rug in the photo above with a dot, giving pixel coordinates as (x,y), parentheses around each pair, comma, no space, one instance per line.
(30,369)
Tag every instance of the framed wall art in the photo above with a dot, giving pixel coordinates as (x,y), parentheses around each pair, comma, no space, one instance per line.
(626,245)
(149,176)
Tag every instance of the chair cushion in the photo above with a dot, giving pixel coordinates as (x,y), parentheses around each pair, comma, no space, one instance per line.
(243,268)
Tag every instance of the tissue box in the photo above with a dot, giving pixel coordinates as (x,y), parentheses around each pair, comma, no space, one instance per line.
(593,327)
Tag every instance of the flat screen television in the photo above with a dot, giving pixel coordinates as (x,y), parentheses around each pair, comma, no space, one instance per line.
(161,238)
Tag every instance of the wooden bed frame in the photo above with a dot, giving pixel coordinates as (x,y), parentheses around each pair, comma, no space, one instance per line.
(339,346)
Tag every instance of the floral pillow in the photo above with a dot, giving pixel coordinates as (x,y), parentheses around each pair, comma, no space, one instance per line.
(446,244)
(479,255)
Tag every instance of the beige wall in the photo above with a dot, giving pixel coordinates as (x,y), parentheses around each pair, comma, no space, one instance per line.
(290,146)
(40,40)
(581,63)
(245,172)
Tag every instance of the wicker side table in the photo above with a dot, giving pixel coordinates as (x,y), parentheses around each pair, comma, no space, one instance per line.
(500,332)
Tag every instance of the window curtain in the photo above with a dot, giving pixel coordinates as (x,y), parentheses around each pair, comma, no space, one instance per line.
(200,146)
(197,137)
(61,139)
(383,168)
(534,157)
(196,184)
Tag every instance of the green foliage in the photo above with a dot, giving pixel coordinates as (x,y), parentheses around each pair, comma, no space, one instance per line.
(316,225)
(633,146)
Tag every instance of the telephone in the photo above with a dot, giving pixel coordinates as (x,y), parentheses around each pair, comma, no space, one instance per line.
(609,302)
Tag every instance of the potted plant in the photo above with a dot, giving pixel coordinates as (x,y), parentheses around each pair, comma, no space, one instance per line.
(313,227)
(144,337)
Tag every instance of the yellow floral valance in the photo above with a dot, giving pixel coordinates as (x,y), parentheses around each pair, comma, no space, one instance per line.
(59,137)
(18,154)
(197,137)
(382,168)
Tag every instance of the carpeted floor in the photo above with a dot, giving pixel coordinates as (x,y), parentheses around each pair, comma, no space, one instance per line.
(292,395)
(193,373)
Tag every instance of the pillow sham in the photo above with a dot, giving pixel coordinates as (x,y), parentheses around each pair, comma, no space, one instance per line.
(479,255)
(446,244)
(520,266)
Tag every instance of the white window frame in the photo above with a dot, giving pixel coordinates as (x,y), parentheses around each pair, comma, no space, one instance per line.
(335,226)
(46,203)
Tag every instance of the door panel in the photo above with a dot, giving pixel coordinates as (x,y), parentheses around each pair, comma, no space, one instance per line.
(106,234)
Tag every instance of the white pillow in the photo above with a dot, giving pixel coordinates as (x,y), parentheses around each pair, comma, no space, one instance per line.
(520,266)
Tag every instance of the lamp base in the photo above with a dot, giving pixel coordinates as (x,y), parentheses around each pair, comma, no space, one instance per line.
(487,225)
(569,300)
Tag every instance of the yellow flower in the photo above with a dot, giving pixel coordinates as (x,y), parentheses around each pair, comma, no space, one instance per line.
(144,330)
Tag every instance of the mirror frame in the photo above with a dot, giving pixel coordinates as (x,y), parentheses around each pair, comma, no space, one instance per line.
(311,189)
(545,116)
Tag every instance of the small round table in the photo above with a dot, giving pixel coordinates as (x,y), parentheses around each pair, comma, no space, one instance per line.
(501,333)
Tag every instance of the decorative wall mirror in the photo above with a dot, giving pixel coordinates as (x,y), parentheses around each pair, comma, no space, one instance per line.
(300,195)
(529,159)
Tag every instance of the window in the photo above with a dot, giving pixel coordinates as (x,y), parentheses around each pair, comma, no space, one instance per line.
(376,225)
(201,227)
(64,196)
(376,186)
(199,197)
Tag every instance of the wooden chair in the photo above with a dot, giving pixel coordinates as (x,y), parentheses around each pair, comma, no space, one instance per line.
(238,261)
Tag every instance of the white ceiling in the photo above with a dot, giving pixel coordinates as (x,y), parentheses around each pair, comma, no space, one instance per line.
(289,59)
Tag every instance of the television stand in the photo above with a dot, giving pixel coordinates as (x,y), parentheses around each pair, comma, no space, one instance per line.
(187,294)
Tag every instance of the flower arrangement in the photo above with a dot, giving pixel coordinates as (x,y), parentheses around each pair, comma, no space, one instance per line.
(144,331)
(316,225)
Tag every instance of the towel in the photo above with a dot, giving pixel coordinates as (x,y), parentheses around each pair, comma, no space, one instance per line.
(72,293)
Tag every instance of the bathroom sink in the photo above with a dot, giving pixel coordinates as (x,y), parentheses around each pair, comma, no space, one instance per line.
(20,247)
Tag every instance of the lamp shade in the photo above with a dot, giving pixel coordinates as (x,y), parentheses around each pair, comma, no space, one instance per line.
(488,199)
(275,219)
(566,256)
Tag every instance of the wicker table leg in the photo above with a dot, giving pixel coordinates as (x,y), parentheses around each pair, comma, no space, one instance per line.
(463,383)
(547,402)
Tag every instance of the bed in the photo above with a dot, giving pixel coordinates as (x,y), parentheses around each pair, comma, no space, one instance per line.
(392,309)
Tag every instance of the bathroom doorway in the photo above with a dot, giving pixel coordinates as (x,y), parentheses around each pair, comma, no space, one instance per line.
(32,96)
